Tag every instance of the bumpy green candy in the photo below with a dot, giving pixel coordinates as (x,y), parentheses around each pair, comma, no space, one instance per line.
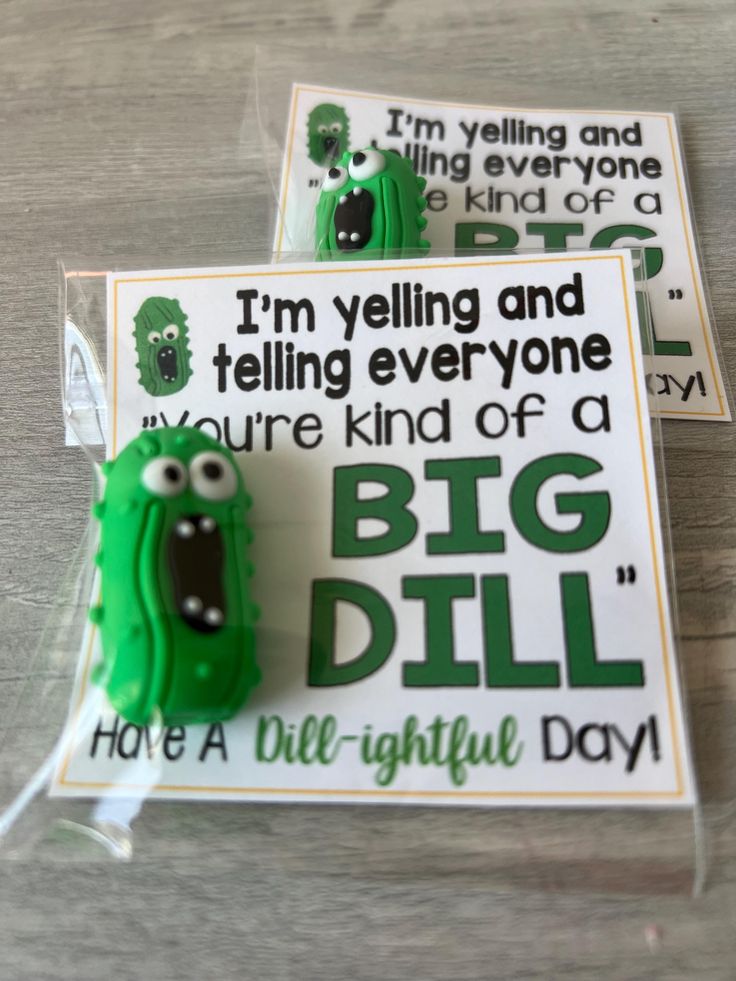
(176,619)
(371,207)
(161,345)
(328,133)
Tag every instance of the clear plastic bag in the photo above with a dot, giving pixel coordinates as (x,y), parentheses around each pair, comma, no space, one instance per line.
(101,823)
(549,176)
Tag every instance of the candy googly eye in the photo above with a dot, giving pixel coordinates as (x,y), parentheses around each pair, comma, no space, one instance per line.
(336,128)
(171,332)
(322,129)
(336,177)
(213,476)
(154,337)
(165,476)
(366,164)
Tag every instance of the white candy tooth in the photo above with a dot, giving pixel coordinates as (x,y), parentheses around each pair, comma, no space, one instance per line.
(185,529)
(193,605)
(207,523)
(342,236)
(343,199)
(354,236)
(213,616)
(357,191)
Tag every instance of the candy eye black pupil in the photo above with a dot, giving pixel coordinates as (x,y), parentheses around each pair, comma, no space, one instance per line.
(212,471)
(359,158)
(171,473)
(334,172)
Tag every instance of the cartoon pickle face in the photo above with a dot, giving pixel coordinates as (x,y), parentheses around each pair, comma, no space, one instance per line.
(328,133)
(175,618)
(161,343)
(371,204)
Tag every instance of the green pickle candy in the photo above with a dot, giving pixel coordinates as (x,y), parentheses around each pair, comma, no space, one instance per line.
(371,206)
(161,343)
(176,618)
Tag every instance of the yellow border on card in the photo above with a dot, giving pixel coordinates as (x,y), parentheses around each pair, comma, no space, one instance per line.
(343,269)
(687,228)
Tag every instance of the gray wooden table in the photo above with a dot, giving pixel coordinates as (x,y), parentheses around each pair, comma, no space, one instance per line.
(119,137)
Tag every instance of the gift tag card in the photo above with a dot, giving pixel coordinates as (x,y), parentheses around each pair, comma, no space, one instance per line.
(504,179)
(457,550)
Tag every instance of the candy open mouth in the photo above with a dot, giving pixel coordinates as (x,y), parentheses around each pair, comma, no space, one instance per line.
(353,216)
(196,554)
(331,145)
(166,358)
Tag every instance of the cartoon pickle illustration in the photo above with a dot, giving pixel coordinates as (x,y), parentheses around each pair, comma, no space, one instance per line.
(161,337)
(371,203)
(175,615)
(328,133)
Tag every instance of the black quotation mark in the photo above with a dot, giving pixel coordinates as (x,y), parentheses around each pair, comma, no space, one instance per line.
(314,182)
(150,422)
(674,294)
(624,575)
